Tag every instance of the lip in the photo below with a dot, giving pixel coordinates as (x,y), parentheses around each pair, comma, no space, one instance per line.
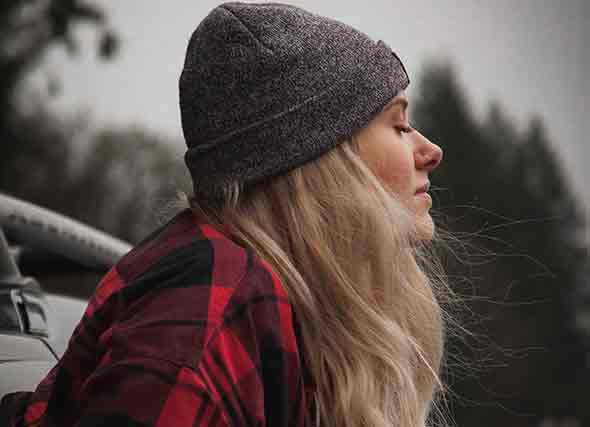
(424,188)
(425,196)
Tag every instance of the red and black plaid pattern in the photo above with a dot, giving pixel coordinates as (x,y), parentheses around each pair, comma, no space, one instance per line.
(188,329)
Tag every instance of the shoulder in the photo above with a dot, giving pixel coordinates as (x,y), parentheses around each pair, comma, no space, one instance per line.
(184,284)
(184,242)
(182,255)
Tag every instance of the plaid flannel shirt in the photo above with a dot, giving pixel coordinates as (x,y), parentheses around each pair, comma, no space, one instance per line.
(188,329)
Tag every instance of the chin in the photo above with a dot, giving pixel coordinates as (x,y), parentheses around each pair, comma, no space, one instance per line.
(425,228)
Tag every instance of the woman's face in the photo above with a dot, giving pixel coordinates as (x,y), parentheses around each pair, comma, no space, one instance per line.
(402,158)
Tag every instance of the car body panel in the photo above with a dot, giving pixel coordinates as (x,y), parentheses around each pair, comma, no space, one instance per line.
(24,362)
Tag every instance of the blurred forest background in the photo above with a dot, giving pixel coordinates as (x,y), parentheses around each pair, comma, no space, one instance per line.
(518,259)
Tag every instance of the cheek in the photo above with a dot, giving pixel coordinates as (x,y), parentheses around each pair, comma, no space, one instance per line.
(392,160)
(396,170)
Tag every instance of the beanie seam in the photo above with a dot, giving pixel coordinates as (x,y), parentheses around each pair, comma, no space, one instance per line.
(204,147)
(237,18)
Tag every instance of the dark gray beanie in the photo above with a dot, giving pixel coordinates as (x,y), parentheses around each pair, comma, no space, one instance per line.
(267,87)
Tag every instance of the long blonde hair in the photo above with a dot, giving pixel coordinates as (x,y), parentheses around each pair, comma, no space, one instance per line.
(362,286)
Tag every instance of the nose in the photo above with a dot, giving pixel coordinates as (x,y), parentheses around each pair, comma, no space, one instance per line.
(427,155)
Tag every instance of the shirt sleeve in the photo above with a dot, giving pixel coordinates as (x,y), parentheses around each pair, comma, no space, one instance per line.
(147,392)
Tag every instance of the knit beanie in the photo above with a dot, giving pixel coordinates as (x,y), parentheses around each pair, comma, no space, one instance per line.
(267,87)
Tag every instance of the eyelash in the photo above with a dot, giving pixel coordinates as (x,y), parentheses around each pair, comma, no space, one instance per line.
(404,129)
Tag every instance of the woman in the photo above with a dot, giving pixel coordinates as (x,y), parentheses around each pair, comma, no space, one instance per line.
(294,290)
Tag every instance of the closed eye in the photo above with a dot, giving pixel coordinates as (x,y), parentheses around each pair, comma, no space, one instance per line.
(404,129)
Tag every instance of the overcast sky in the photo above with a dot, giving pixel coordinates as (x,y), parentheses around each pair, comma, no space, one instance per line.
(531,55)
